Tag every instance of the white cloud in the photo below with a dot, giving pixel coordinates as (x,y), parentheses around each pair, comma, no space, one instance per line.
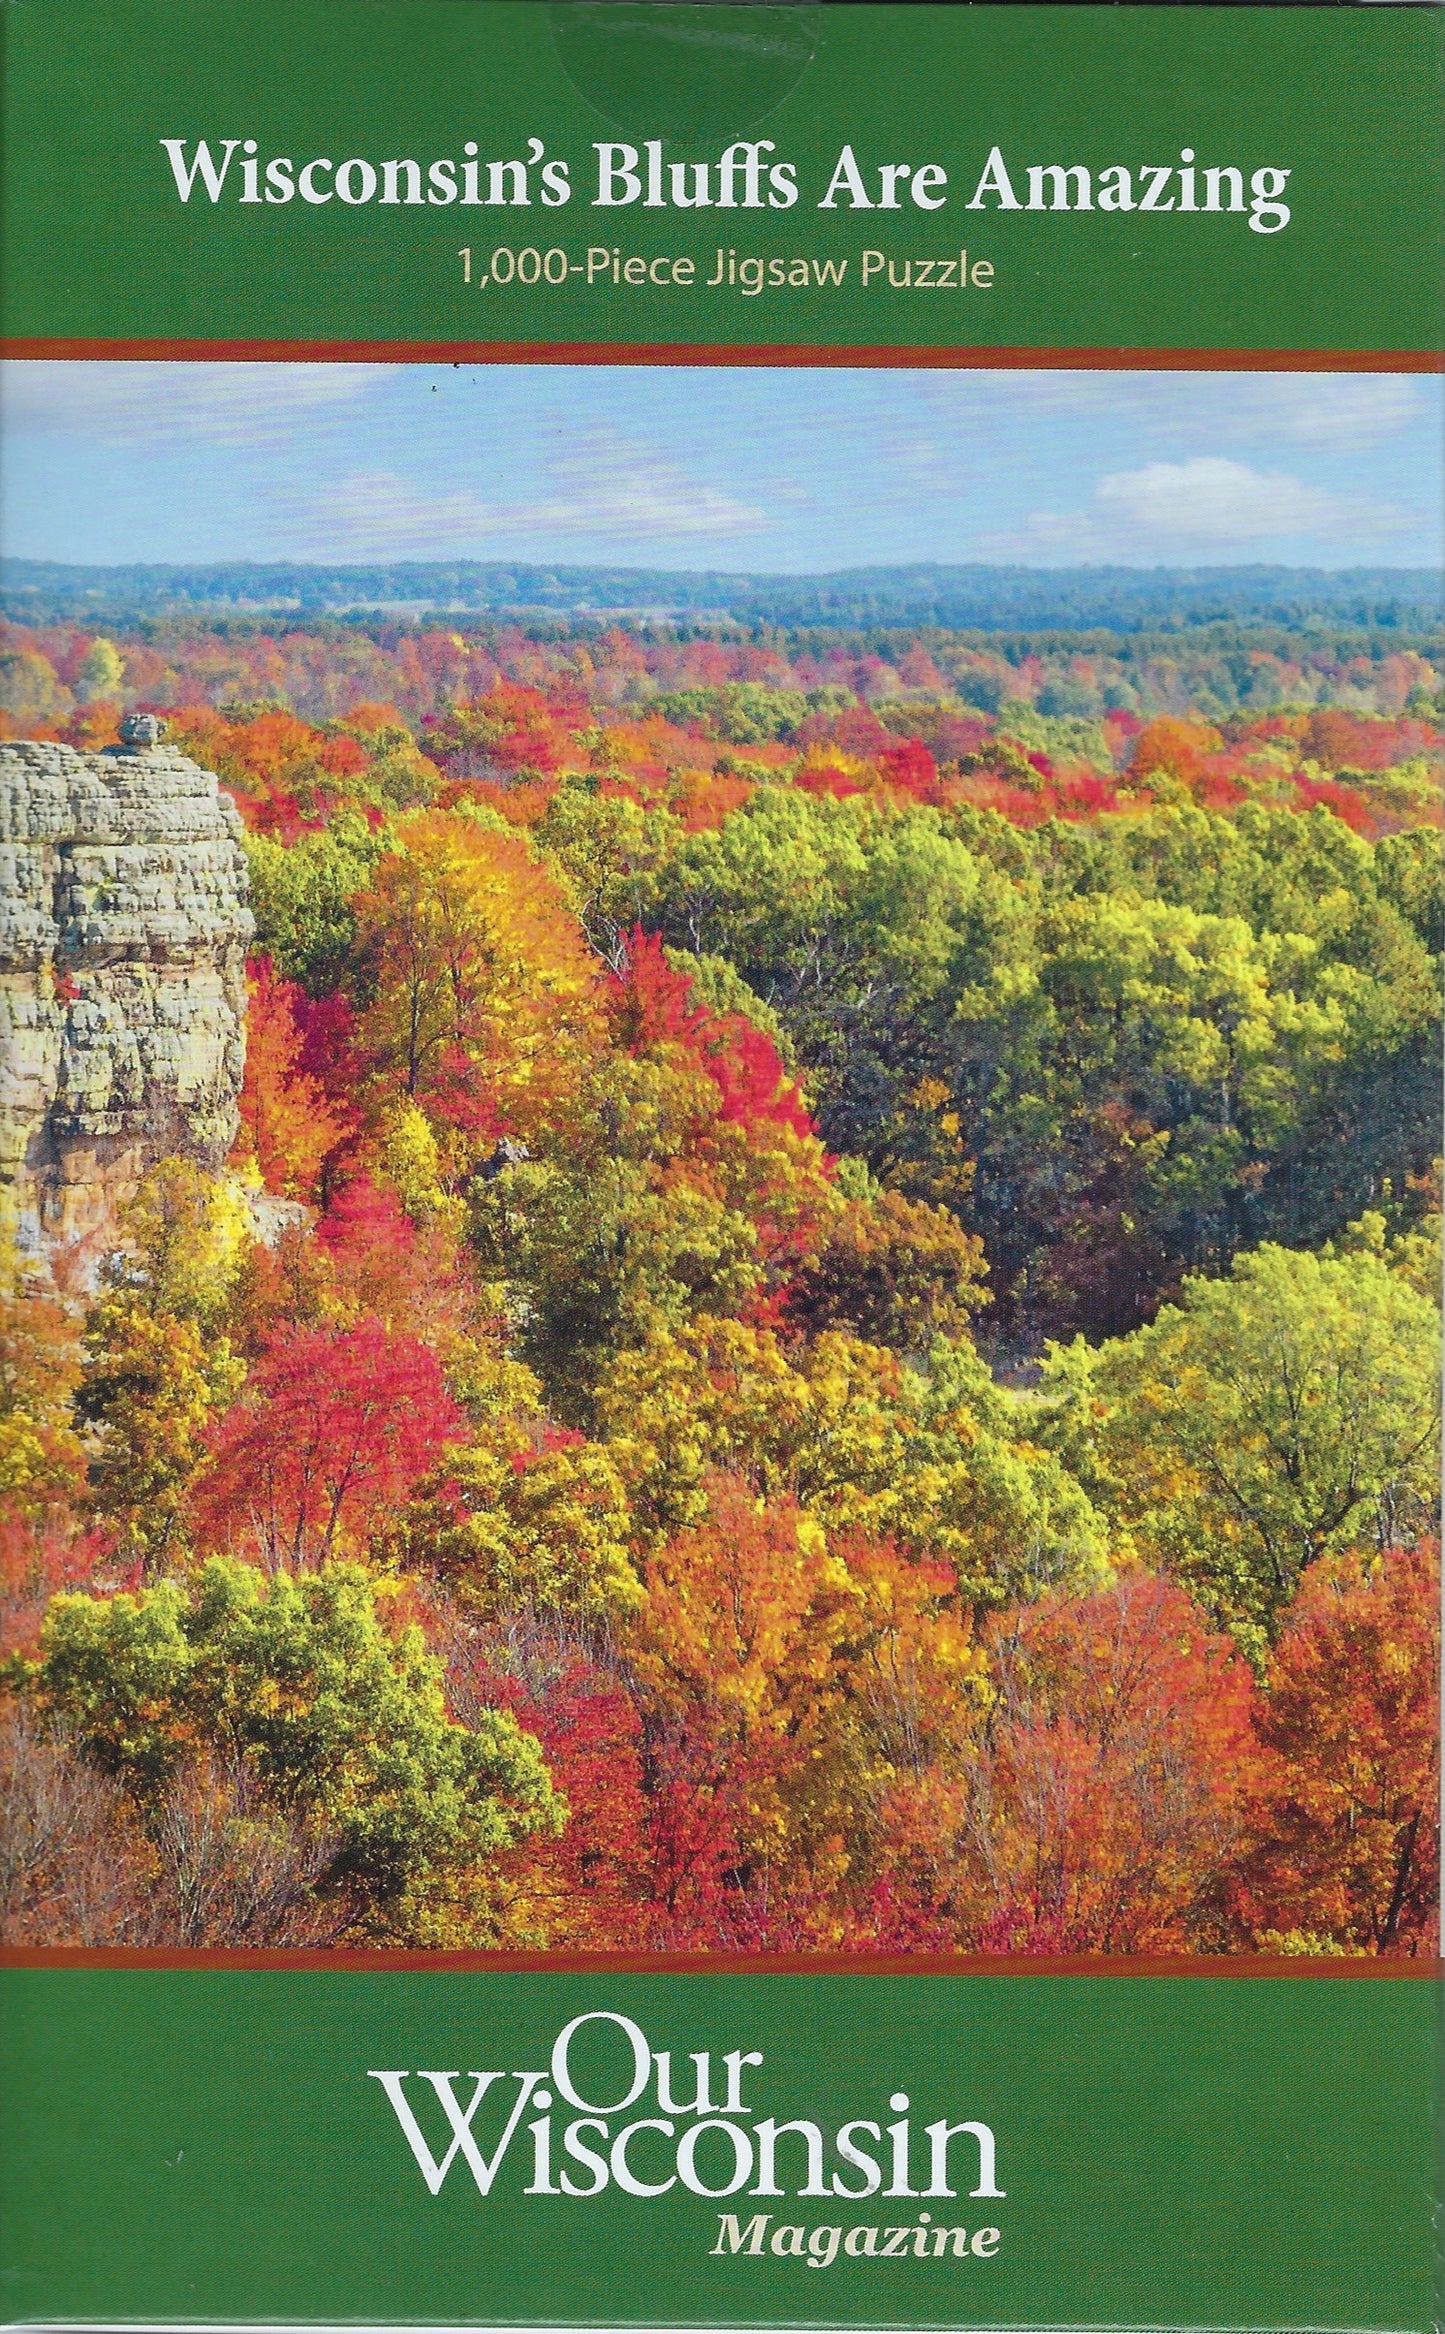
(1208,507)
(601,488)
(1211,499)
(958,436)
(137,403)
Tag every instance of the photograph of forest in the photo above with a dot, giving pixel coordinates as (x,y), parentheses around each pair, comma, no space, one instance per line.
(813,1323)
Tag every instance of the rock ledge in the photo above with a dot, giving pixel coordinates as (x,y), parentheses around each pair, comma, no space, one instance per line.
(123,932)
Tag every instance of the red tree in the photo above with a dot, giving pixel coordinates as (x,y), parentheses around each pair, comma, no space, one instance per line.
(911,768)
(591,1886)
(335,1428)
(652,1005)
(287,1124)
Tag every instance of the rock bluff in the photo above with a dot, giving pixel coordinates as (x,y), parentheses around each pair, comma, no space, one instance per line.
(123,933)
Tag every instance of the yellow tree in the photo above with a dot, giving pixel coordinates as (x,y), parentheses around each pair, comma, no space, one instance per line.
(786,1678)
(481,982)
(939,1459)
(40,1457)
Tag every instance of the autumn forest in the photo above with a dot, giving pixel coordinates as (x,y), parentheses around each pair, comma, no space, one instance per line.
(822,1331)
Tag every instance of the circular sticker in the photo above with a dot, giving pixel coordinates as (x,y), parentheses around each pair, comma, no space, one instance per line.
(706,70)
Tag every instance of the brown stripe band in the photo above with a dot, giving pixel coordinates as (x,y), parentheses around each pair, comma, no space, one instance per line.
(1182,1965)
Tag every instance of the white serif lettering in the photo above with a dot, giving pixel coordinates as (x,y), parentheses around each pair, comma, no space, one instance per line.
(483,2169)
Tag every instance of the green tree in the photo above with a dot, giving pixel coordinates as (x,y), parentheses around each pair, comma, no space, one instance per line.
(1340,1097)
(1271,1418)
(1118,1050)
(155,1371)
(863,927)
(531,1520)
(338,1719)
(302,893)
(747,713)
(612,852)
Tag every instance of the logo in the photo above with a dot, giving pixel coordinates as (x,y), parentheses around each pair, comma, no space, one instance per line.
(605,2113)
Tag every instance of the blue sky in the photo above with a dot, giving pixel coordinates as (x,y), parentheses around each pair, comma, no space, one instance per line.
(761,470)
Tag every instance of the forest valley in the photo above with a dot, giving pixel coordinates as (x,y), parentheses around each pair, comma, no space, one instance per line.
(853,1361)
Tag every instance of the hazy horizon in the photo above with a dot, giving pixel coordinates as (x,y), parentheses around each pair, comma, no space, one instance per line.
(844,569)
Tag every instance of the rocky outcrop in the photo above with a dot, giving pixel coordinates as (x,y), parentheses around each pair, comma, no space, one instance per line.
(123,932)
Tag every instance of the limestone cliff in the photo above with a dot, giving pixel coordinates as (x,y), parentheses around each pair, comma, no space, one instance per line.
(123,931)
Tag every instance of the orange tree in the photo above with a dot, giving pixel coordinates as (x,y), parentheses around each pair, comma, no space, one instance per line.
(1346,1806)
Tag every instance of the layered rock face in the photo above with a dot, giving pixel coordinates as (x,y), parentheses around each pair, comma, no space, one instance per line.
(123,932)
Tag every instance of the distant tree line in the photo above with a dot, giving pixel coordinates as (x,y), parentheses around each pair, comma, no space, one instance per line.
(988,598)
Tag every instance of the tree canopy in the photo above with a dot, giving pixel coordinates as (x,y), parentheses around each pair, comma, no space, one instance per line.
(823,1326)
